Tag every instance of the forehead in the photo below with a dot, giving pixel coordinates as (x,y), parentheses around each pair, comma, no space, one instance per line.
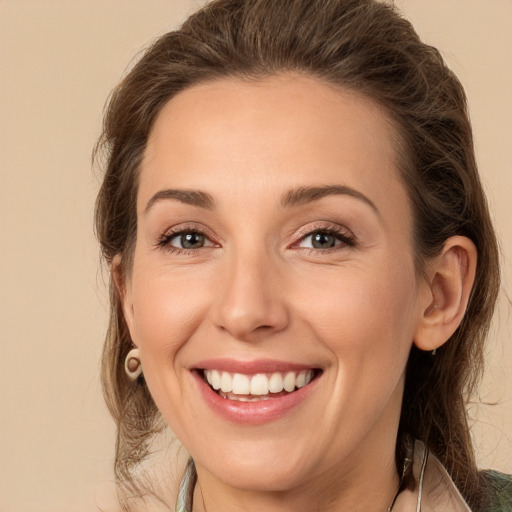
(288,130)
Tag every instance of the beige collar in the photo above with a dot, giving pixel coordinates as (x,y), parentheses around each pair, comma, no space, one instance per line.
(429,488)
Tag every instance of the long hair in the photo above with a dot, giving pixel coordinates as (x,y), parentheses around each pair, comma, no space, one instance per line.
(361,45)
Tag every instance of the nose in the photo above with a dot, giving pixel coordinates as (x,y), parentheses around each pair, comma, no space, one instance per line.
(250,301)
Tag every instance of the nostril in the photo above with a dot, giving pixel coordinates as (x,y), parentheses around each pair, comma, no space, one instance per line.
(249,304)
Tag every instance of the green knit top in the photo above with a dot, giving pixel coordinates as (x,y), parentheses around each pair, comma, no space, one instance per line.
(500,486)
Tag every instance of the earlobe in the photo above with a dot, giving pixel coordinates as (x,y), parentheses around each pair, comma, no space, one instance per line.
(123,290)
(450,281)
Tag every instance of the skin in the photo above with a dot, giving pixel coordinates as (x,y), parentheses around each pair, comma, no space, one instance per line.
(258,289)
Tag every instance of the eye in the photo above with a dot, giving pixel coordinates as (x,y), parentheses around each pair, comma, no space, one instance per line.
(188,240)
(324,239)
(320,240)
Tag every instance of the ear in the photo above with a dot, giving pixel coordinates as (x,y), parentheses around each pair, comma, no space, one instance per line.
(123,288)
(450,279)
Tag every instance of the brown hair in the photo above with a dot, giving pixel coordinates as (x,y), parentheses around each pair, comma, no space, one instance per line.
(362,45)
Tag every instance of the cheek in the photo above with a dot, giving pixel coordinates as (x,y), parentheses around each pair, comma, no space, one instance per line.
(363,315)
(167,309)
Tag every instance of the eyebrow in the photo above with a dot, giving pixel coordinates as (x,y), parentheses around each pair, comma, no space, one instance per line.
(294,197)
(192,197)
(303,195)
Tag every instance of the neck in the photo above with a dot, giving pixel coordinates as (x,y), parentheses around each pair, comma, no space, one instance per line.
(370,487)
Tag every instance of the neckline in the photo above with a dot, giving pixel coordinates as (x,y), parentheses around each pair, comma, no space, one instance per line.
(184,502)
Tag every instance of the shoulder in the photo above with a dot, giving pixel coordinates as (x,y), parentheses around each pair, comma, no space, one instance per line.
(500,489)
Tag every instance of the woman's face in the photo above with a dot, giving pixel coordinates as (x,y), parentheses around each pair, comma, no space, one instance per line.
(274,249)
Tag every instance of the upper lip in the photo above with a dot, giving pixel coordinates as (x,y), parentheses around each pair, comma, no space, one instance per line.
(252,367)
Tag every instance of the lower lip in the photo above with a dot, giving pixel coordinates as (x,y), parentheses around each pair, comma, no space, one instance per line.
(252,413)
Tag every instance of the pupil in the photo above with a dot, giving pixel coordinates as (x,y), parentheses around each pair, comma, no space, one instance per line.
(323,241)
(192,240)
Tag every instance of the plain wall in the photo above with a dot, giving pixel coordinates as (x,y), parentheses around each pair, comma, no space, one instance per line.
(58,61)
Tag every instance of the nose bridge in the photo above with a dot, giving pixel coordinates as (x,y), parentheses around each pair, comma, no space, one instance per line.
(249,300)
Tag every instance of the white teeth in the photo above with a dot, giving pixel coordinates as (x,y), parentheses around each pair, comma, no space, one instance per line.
(244,398)
(241,384)
(301,379)
(275,383)
(213,377)
(289,382)
(258,385)
(307,375)
(226,382)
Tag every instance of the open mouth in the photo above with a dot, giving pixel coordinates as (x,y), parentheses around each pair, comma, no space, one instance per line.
(258,387)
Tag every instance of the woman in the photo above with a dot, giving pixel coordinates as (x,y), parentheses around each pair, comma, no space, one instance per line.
(303,264)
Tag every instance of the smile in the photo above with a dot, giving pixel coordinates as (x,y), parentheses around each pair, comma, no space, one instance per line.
(258,387)
(254,392)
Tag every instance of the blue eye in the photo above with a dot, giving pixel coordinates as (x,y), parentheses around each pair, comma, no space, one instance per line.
(326,239)
(321,240)
(185,240)
(189,240)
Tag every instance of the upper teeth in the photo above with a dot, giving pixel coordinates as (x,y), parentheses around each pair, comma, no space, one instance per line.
(259,384)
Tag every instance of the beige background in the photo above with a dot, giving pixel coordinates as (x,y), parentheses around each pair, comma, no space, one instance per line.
(58,61)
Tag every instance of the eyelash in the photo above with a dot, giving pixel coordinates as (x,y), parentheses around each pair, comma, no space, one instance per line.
(164,242)
(345,237)
(342,235)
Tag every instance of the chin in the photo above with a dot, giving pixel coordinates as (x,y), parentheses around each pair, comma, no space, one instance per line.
(261,476)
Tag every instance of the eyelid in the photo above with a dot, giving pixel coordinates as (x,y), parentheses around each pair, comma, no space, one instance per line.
(186,227)
(175,236)
(346,236)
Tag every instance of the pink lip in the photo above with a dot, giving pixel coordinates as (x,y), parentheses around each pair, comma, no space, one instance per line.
(251,367)
(252,413)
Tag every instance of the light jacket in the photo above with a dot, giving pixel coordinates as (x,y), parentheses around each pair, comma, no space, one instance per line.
(430,488)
